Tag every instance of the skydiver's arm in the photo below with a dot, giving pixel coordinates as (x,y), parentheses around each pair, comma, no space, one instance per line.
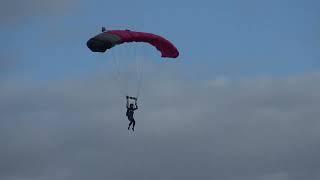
(136,105)
(127,101)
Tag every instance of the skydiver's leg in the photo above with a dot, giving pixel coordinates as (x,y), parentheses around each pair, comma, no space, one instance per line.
(134,123)
(130,124)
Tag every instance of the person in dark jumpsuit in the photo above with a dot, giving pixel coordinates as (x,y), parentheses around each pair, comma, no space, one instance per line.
(130,111)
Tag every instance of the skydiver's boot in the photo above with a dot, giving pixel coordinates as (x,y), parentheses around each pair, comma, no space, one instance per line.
(128,127)
(132,128)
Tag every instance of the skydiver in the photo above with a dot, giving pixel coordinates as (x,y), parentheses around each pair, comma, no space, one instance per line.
(130,111)
(103,29)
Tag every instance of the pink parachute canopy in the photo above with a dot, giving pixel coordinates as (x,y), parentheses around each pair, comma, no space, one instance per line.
(108,39)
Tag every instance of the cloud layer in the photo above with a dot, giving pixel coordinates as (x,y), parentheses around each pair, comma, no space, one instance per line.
(12,11)
(254,129)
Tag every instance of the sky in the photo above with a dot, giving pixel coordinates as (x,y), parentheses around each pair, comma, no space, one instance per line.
(231,38)
(240,102)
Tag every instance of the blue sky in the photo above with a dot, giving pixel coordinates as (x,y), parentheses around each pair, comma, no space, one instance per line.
(230,38)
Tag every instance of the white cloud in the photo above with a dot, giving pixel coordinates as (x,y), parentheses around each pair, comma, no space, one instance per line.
(245,129)
(12,11)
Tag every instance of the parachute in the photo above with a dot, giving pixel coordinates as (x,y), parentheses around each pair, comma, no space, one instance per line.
(108,39)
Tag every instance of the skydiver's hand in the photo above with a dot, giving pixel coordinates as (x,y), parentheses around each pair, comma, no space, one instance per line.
(127,97)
